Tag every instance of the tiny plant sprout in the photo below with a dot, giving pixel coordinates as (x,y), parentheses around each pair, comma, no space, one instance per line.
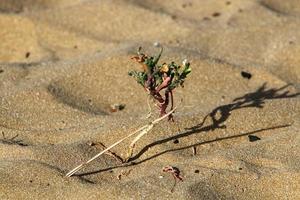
(159,80)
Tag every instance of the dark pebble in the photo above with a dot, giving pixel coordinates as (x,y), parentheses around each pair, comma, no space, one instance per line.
(216,14)
(253,138)
(174,17)
(27,54)
(246,74)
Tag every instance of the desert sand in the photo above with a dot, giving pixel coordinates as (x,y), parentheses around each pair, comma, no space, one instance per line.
(64,63)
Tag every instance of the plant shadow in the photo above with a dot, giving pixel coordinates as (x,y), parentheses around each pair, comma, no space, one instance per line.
(218,116)
(254,99)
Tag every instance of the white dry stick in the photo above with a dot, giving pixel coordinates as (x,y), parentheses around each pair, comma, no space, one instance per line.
(149,107)
(145,129)
(132,145)
(73,171)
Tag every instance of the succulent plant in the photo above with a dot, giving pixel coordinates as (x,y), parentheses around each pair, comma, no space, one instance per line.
(155,79)
(160,80)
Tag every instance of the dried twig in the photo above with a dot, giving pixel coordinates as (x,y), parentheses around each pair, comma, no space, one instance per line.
(140,130)
(194,148)
(145,131)
(149,107)
(109,152)
(12,140)
(175,173)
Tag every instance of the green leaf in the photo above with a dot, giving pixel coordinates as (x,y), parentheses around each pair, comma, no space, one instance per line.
(156,59)
(140,77)
(175,72)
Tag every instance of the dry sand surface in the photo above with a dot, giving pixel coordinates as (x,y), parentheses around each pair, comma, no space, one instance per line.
(63,63)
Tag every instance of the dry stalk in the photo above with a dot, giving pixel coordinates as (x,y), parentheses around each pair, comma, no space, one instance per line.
(143,130)
(149,107)
(110,153)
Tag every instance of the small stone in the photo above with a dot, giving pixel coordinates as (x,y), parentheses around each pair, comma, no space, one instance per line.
(176,141)
(246,75)
(27,54)
(91,144)
(156,44)
(253,138)
(116,107)
(216,14)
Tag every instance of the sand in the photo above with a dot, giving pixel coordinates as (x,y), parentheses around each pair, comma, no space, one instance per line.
(64,64)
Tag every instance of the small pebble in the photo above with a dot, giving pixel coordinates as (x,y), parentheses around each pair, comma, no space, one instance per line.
(246,75)
(91,144)
(116,107)
(176,141)
(156,44)
(253,138)
(216,14)
(27,54)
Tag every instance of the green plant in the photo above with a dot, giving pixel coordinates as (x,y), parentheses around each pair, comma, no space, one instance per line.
(160,80)
(155,79)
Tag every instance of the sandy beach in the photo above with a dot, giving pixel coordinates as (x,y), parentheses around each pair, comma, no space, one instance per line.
(64,66)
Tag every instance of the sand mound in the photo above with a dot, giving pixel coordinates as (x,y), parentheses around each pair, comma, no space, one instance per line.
(15,6)
(287,8)
(19,40)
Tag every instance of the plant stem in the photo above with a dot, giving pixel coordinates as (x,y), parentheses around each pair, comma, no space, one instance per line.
(144,129)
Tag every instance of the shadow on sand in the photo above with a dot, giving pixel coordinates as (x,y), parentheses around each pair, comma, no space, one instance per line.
(253,99)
